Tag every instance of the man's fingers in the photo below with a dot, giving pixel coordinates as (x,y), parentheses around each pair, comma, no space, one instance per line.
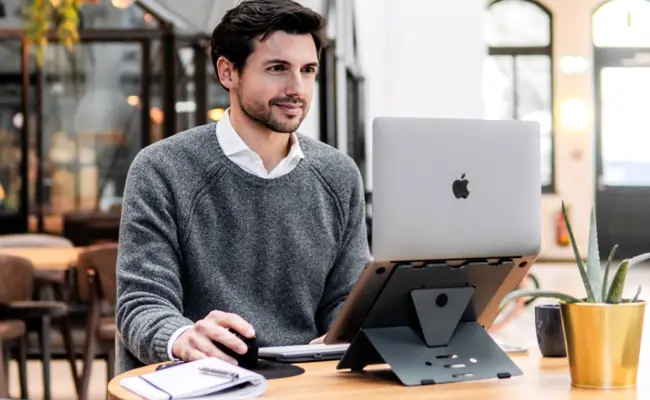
(220,354)
(191,354)
(233,321)
(194,354)
(205,346)
(210,329)
(319,340)
(229,339)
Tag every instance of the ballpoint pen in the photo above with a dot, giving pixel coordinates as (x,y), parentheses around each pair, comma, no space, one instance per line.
(218,372)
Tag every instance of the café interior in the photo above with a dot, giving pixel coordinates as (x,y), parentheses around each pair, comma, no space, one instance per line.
(71,124)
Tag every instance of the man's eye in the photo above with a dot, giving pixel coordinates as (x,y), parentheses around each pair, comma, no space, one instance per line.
(277,68)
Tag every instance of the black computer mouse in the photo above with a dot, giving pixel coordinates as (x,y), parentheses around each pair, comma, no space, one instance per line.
(249,360)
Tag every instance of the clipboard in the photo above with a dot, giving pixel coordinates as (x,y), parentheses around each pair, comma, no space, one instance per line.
(209,377)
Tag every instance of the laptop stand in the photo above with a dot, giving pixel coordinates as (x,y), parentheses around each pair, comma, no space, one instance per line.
(439,344)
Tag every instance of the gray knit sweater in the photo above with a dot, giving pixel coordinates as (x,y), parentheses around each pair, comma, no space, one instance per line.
(198,233)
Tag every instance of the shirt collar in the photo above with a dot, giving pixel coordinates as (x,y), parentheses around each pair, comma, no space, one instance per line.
(231,143)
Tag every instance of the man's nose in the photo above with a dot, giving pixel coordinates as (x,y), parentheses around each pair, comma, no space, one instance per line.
(295,85)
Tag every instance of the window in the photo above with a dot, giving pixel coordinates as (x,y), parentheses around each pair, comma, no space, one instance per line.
(356,144)
(328,116)
(622,23)
(518,72)
(621,38)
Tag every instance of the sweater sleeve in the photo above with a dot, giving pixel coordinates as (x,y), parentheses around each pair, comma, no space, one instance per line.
(353,256)
(149,263)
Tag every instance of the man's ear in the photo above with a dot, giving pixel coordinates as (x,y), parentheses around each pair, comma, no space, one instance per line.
(227,73)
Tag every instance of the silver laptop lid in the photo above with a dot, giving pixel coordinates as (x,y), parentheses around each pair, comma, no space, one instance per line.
(455,189)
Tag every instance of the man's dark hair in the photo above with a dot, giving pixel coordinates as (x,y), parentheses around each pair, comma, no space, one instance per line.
(234,38)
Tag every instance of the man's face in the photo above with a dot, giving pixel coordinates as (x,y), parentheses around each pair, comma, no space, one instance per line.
(276,85)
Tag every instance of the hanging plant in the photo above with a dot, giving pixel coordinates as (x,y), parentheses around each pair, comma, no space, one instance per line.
(41,16)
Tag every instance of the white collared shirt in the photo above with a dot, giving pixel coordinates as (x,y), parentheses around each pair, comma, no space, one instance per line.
(236,150)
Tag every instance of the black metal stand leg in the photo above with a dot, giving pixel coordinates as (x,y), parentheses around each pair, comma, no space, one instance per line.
(46,350)
(456,352)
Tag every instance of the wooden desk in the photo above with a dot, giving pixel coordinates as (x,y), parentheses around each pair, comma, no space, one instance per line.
(542,378)
(46,258)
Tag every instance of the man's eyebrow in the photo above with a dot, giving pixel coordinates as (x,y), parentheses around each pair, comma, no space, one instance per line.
(277,61)
(285,62)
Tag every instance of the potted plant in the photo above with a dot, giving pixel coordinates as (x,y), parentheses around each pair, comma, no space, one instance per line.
(603,330)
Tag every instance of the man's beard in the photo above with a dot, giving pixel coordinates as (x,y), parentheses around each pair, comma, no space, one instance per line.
(263,116)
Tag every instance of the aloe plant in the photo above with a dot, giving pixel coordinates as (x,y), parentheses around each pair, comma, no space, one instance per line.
(598,286)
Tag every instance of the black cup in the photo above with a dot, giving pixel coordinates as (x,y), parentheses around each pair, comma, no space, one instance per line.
(548,326)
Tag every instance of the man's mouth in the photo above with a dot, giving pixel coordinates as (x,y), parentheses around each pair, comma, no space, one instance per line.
(291,109)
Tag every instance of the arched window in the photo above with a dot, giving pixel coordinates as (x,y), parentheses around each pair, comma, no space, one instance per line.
(621,38)
(622,23)
(518,73)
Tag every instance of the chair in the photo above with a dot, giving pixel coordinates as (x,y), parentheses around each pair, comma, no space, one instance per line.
(22,240)
(96,272)
(16,303)
(10,332)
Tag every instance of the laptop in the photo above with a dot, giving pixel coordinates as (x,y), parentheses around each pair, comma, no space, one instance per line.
(303,353)
(328,352)
(446,189)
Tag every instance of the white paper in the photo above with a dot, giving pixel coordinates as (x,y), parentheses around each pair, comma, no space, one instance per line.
(187,381)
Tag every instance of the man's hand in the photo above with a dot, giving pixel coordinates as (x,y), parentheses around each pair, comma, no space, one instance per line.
(320,340)
(196,342)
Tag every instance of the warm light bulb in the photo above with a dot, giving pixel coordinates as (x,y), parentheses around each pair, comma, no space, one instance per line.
(18,120)
(157,115)
(122,3)
(133,101)
(573,64)
(575,114)
(216,114)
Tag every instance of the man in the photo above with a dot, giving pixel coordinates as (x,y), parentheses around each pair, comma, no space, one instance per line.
(246,225)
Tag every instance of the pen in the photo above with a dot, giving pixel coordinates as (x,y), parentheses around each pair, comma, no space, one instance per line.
(217,372)
(170,365)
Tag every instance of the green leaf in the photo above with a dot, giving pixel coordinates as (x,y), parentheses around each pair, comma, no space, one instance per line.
(539,293)
(618,283)
(581,266)
(606,277)
(594,269)
(636,295)
(639,259)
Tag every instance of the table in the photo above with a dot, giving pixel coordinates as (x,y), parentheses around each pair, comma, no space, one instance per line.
(542,378)
(45,258)
(52,263)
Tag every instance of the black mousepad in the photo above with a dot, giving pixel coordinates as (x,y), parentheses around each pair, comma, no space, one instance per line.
(276,370)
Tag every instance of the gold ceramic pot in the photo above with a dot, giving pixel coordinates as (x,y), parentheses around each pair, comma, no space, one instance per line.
(603,342)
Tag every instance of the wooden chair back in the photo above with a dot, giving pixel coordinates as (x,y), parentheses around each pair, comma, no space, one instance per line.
(101,262)
(16,279)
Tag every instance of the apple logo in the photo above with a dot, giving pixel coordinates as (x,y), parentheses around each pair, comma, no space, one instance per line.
(460,188)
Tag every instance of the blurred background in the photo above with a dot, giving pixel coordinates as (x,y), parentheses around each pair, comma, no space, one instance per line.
(70,126)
